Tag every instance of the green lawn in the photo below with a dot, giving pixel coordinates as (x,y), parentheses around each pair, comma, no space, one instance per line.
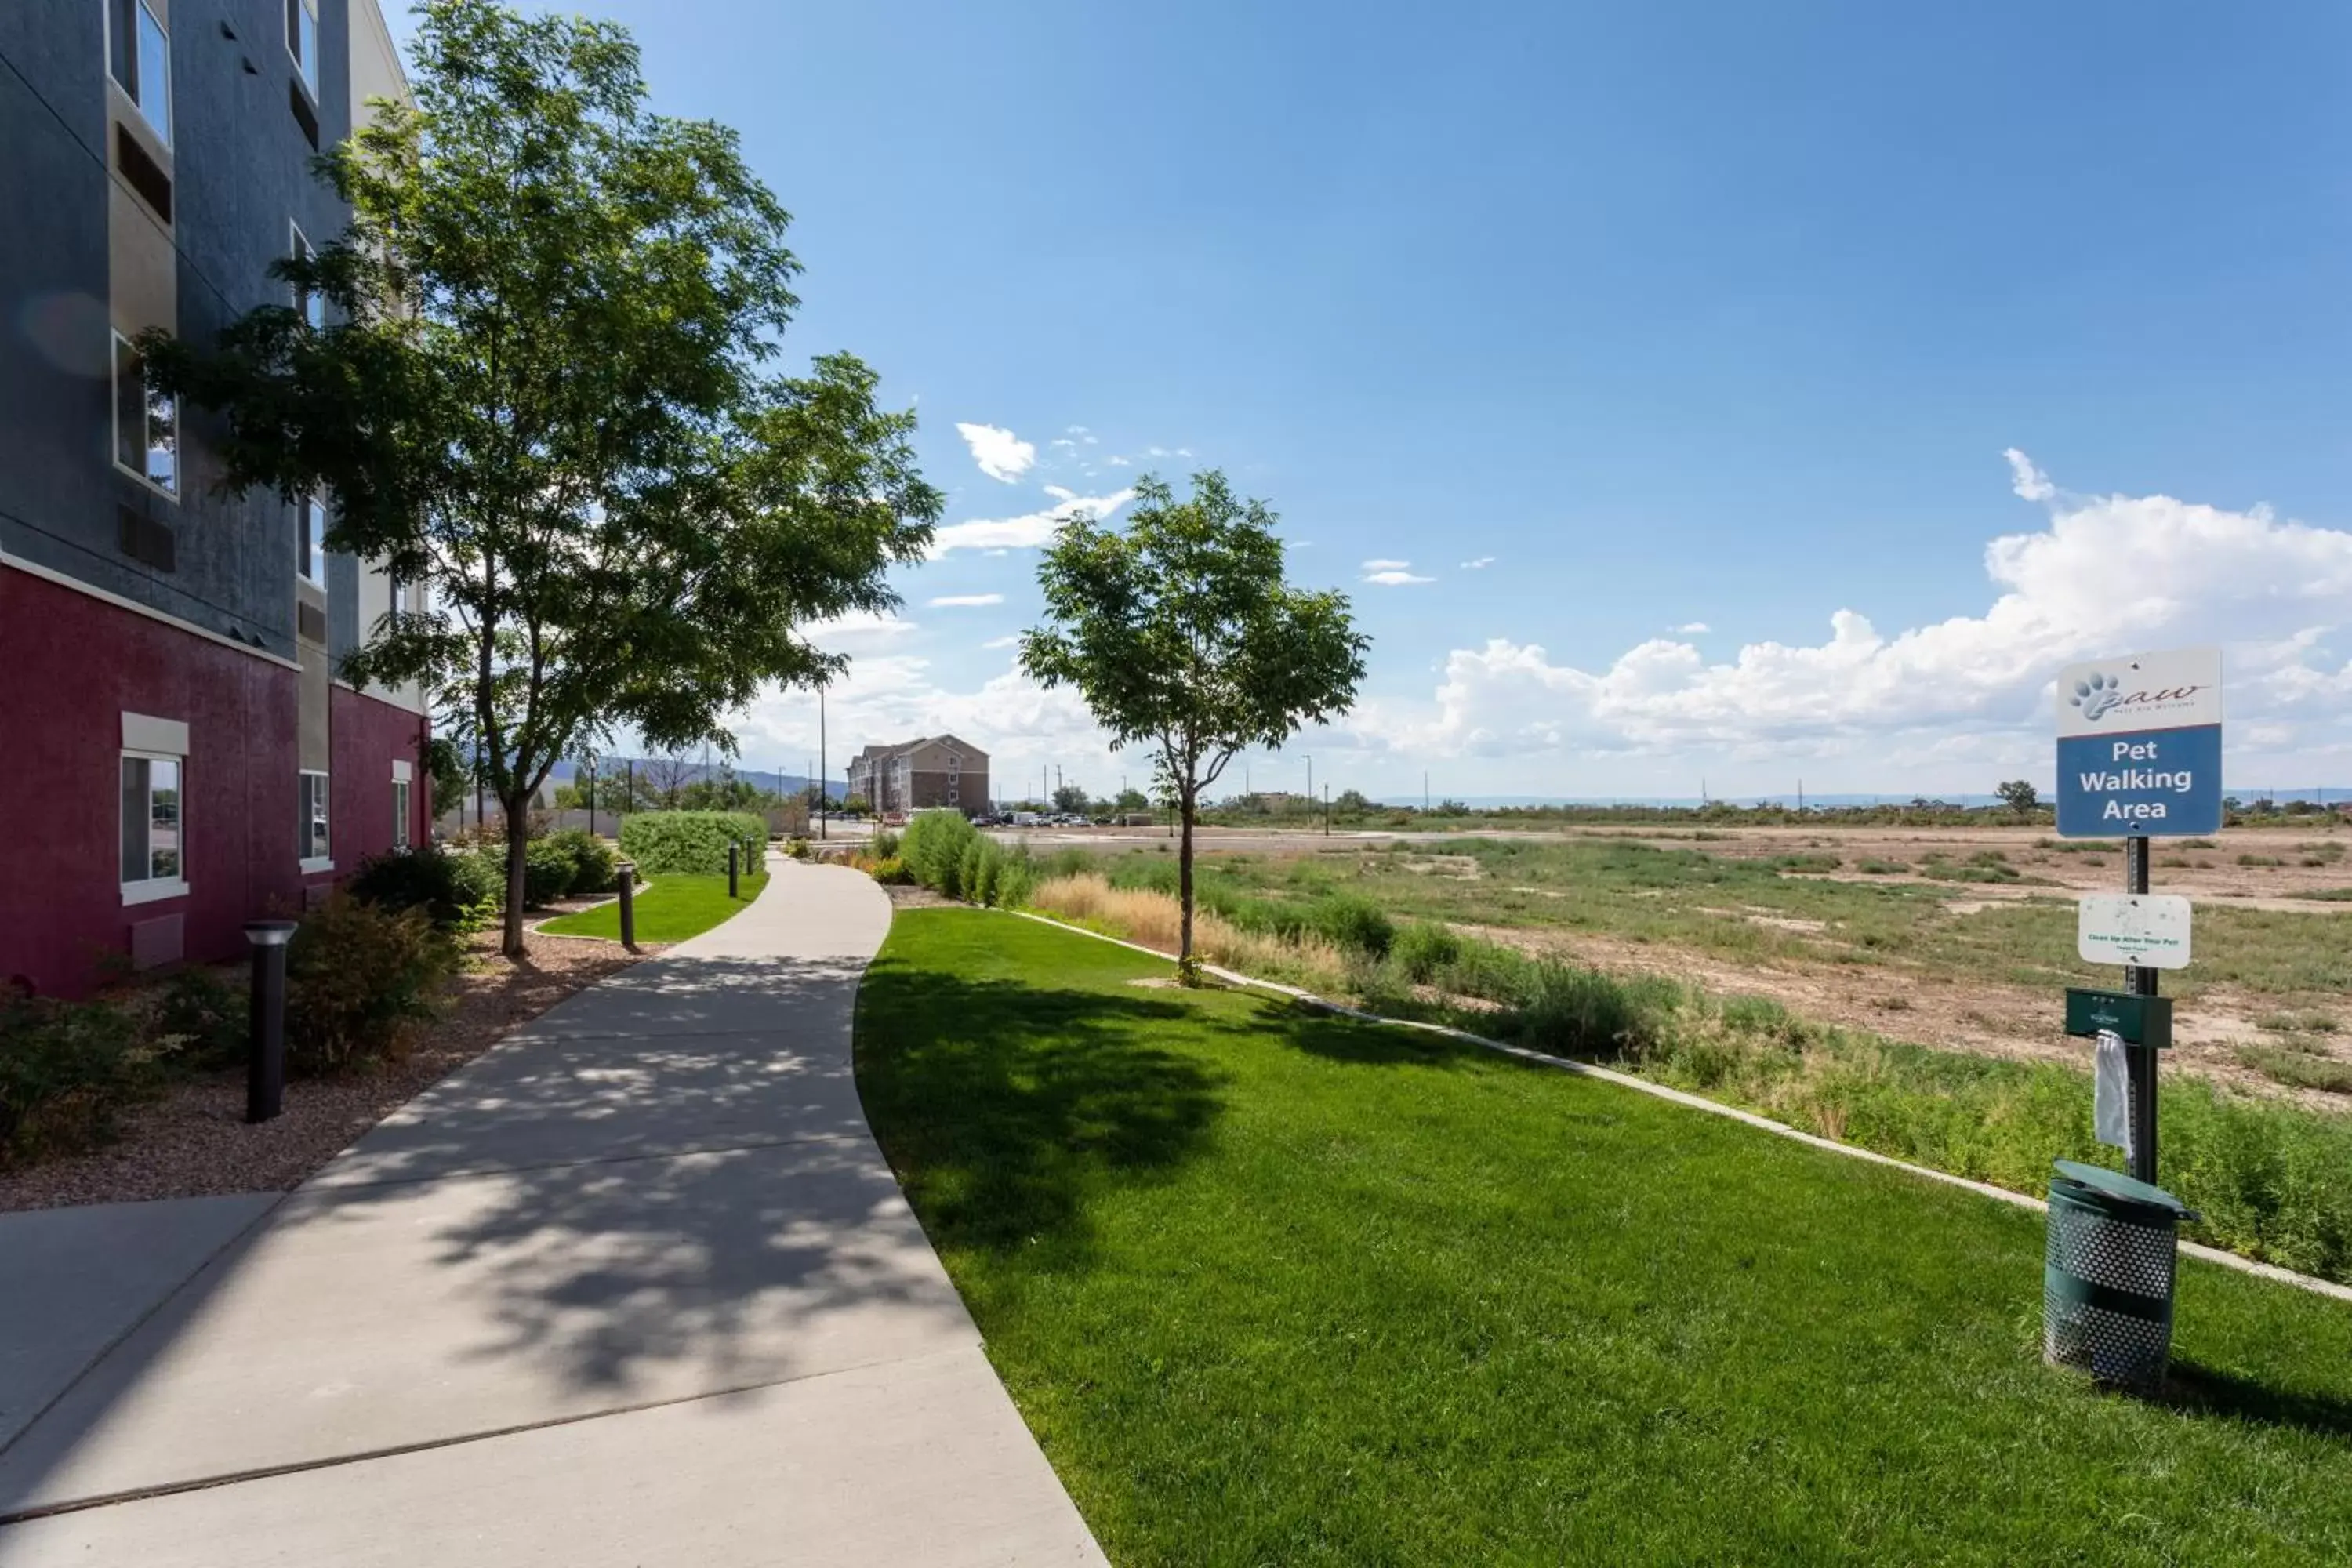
(1276,1286)
(673,909)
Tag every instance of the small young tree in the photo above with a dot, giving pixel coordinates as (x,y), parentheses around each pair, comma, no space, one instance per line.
(1184,638)
(2019,795)
(543,391)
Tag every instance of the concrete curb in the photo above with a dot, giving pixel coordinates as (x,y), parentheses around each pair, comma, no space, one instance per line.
(1713,1107)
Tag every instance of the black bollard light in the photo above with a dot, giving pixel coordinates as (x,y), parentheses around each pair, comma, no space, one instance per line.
(733,850)
(627,872)
(264,1073)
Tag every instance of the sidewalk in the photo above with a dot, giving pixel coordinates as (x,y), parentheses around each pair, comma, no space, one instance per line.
(634,1287)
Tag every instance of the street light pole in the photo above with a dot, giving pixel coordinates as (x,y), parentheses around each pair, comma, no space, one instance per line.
(822,789)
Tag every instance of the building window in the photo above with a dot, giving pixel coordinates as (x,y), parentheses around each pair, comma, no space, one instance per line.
(311,305)
(139,53)
(400,814)
(312,545)
(153,865)
(302,40)
(313,823)
(146,423)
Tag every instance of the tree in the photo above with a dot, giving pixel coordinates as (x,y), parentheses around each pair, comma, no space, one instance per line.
(1070,799)
(2019,795)
(1183,637)
(544,391)
(450,777)
(1131,800)
(857,806)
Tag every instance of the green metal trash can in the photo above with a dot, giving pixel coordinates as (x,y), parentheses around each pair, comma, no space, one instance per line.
(2106,1280)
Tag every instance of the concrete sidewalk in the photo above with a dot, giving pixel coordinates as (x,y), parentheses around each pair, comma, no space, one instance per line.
(634,1287)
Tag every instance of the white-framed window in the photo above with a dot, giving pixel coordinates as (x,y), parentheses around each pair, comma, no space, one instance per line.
(311,547)
(399,804)
(139,56)
(154,857)
(311,305)
(311,823)
(302,40)
(146,424)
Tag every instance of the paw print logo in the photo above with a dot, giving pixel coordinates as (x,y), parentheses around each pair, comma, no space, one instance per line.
(2096,696)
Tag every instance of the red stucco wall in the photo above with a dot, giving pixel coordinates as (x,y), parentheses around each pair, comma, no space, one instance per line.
(70,665)
(365,736)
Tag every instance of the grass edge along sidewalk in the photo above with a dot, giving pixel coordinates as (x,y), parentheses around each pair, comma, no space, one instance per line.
(2227,1260)
(677,907)
(1274,1284)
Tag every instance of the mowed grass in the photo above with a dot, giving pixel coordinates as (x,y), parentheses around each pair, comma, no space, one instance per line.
(1273,1286)
(675,908)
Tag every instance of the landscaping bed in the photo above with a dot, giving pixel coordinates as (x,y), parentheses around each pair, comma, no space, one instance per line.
(192,1139)
(1276,1286)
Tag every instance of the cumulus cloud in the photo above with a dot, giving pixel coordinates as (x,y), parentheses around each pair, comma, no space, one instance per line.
(1002,455)
(1030,530)
(2030,482)
(963,601)
(1956,692)
(1395,576)
(1478,565)
(1688,628)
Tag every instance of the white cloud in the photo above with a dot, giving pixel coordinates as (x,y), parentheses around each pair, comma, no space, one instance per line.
(1688,628)
(1946,697)
(1011,639)
(1395,576)
(1119,462)
(963,601)
(1383,563)
(861,629)
(1002,455)
(2030,482)
(1478,565)
(1028,530)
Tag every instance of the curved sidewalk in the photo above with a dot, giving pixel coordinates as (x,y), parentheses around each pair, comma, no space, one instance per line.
(634,1287)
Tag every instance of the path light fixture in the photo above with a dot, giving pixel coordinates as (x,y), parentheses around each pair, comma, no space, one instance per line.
(264,1073)
(626,871)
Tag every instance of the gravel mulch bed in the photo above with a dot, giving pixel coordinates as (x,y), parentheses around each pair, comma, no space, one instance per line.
(193,1141)
(910,897)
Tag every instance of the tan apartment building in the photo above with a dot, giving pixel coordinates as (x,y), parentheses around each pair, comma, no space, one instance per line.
(935,771)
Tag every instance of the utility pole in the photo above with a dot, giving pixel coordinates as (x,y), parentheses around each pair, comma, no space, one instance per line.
(825,790)
(1310,784)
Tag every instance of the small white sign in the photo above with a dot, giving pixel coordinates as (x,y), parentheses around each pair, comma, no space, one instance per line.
(2150,930)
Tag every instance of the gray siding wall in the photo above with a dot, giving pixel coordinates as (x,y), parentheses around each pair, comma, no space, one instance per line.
(241,173)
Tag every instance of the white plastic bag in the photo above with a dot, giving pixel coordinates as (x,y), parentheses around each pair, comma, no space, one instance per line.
(2111,1093)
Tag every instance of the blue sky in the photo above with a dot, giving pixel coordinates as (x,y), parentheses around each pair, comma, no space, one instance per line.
(1687,316)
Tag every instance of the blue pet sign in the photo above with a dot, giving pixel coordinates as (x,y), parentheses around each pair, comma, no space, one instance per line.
(2139,745)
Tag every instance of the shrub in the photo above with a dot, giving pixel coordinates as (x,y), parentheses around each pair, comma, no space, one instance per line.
(460,892)
(933,848)
(205,1019)
(594,864)
(978,872)
(65,1069)
(884,845)
(1352,923)
(547,872)
(357,978)
(1423,950)
(891,872)
(689,843)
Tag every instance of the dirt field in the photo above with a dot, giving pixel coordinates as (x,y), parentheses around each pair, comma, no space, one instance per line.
(1960,938)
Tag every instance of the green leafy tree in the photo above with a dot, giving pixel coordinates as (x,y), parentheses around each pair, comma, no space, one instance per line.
(2019,795)
(545,390)
(1184,638)
(1133,800)
(1070,799)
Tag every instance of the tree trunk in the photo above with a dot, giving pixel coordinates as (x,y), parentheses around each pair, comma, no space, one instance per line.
(518,852)
(1188,968)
